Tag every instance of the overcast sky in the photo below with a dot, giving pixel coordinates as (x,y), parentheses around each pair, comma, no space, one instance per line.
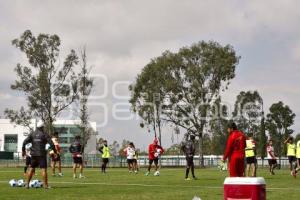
(122,36)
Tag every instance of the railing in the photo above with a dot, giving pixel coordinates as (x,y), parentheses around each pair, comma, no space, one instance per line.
(94,160)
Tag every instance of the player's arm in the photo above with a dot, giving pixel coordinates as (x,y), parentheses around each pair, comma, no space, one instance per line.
(162,150)
(50,142)
(286,141)
(26,141)
(228,149)
(100,149)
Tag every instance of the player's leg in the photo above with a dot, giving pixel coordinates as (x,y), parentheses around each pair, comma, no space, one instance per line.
(45,177)
(74,169)
(53,167)
(43,166)
(193,168)
(59,167)
(156,164)
(187,168)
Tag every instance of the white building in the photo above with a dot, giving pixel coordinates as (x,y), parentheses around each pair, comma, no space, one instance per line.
(12,136)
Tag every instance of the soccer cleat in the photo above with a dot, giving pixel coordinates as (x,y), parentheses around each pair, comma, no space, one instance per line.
(74,176)
(135,172)
(81,176)
(60,174)
(147,173)
(187,179)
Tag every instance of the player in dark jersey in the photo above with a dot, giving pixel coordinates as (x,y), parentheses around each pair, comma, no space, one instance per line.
(188,147)
(77,150)
(39,138)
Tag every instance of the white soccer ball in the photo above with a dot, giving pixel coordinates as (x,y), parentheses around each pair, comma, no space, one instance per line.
(13,183)
(35,184)
(156,173)
(21,183)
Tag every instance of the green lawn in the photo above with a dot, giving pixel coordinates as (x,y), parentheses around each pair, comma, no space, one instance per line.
(120,185)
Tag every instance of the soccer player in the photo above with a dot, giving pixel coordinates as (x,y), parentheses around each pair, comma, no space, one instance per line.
(235,151)
(154,152)
(104,150)
(291,154)
(250,153)
(56,159)
(188,147)
(27,158)
(129,151)
(77,151)
(298,155)
(39,138)
(271,157)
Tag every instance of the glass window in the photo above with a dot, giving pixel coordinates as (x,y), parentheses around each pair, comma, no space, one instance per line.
(11,143)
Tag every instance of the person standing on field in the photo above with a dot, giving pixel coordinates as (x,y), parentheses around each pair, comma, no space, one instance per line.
(154,151)
(250,152)
(77,150)
(189,149)
(271,157)
(38,139)
(291,154)
(235,151)
(56,159)
(104,150)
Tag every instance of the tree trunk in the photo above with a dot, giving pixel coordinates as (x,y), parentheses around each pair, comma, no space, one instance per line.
(201,158)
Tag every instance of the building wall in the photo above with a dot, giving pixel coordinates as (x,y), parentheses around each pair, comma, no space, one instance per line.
(7,128)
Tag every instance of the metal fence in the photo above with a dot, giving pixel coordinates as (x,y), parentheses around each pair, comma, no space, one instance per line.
(94,160)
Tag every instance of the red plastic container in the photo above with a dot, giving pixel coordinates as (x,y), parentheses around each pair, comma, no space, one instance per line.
(244,188)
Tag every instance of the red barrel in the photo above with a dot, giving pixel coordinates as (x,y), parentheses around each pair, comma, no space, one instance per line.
(236,188)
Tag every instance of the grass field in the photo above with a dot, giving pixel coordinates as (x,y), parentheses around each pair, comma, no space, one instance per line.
(118,184)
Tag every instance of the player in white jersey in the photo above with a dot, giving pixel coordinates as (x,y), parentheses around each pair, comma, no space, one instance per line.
(130,154)
(271,157)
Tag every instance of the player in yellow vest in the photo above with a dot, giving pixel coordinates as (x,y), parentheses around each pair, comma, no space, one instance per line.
(291,154)
(298,156)
(104,150)
(250,157)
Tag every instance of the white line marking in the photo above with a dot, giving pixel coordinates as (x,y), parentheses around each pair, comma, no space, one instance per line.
(151,185)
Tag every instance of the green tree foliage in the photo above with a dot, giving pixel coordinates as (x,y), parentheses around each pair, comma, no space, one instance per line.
(49,87)
(186,82)
(278,123)
(85,85)
(218,127)
(248,112)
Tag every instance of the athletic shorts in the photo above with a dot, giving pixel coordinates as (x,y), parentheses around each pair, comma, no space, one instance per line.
(105,160)
(251,160)
(77,160)
(272,161)
(291,159)
(39,161)
(28,161)
(55,159)
(189,160)
(130,161)
(155,160)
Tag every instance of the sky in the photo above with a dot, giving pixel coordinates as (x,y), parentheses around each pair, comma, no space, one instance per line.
(121,37)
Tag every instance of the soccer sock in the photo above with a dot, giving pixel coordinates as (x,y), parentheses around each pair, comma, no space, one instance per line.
(193,171)
(25,169)
(187,172)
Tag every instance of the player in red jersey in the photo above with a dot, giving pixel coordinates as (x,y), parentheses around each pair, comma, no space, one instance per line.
(155,151)
(235,151)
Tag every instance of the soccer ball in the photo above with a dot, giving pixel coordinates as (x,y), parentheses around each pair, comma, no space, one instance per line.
(156,173)
(13,183)
(35,184)
(21,183)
